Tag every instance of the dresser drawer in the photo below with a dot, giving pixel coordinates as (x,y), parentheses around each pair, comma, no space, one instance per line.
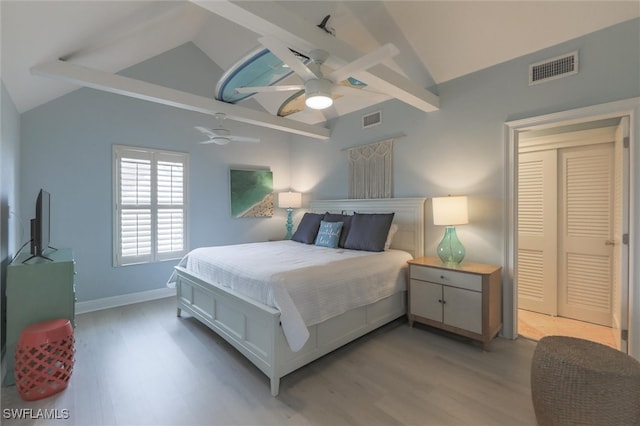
(442,276)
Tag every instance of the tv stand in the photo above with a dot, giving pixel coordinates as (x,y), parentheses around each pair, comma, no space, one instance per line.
(37,291)
(40,256)
(35,256)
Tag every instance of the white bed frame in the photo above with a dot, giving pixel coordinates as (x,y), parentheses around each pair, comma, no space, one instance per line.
(254,329)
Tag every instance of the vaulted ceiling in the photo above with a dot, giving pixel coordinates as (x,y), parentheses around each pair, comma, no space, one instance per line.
(438,41)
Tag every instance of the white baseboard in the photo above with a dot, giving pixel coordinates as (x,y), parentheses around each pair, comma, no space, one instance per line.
(125,299)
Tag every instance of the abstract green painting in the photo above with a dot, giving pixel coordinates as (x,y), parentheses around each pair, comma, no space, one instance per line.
(251,193)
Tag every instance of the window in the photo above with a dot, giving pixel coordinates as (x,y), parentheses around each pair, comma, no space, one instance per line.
(150,202)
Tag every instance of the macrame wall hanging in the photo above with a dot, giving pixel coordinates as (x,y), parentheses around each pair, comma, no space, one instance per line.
(370,170)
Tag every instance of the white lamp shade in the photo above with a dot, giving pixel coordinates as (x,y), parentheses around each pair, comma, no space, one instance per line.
(450,211)
(289,200)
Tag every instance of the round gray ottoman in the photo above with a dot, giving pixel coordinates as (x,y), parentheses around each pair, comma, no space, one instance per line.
(578,382)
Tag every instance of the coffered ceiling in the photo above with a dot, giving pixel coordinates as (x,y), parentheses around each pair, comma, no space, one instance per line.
(438,41)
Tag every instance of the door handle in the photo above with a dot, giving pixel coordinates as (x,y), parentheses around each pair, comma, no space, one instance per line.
(610,243)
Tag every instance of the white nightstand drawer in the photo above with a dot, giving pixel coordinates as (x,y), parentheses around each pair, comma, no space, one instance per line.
(442,276)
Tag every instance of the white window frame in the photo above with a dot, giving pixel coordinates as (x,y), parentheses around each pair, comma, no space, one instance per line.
(154,156)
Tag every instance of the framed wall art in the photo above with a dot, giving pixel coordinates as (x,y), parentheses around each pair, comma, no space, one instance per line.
(251,193)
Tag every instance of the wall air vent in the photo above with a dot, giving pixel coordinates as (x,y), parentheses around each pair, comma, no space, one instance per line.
(551,69)
(372,119)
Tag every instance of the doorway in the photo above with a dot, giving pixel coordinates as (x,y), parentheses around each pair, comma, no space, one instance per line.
(571,215)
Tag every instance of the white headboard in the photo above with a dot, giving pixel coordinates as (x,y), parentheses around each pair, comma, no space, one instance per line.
(409,216)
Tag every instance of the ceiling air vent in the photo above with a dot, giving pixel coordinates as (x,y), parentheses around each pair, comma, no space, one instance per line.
(372,119)
(551,69)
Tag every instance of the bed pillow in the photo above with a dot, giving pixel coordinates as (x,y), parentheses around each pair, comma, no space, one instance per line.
(392,232)
(369,231)
(329,234)
(308,228)
(346,224)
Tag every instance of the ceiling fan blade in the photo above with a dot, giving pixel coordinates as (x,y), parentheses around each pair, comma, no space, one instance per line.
(205,131)
(244,139)
(364,62)
(219,140)
(269,89)
(285,55)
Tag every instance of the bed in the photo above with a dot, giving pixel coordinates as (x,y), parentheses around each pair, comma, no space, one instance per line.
(273,338)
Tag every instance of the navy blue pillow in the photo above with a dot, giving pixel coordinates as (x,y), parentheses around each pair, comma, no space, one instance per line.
(308,228)
(346,224)
(369,231)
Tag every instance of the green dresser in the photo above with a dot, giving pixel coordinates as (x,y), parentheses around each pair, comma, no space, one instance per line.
(38,290)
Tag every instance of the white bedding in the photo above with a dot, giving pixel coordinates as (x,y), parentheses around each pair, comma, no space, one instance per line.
(307,283)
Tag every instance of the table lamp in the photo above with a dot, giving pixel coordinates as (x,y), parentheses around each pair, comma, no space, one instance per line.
(450,211)
(289,200)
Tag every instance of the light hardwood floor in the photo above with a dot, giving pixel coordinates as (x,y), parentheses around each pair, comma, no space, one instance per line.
(533,325)
(141,365)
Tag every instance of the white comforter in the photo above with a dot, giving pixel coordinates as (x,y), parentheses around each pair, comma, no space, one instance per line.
(307,283)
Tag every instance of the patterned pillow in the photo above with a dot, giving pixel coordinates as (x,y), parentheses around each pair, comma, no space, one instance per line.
(329,234)
(345,219)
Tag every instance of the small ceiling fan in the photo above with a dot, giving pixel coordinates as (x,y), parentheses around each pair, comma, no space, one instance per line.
(318,87)
(221,135)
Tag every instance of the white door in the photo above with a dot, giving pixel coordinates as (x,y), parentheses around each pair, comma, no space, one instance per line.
(537,230)
(585,261)
(620,294)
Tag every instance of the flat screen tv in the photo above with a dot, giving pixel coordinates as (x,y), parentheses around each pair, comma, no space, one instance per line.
(40,226)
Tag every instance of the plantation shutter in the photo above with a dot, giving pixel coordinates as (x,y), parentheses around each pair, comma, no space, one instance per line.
(171,206)
(150,205)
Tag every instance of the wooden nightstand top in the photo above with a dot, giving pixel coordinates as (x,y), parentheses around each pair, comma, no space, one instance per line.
(470,267)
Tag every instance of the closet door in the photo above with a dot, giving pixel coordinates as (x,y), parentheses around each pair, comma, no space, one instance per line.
(586,232)
(537,229)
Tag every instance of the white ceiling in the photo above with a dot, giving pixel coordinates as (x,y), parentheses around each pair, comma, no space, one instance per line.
(438,40)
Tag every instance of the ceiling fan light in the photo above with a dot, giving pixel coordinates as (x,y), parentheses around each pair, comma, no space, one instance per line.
(318,93)
(319,102)
(221,140)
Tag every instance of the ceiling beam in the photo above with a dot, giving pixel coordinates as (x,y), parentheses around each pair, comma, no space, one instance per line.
(269,18)
(113,83)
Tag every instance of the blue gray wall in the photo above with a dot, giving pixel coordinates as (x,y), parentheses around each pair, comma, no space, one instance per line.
(10,226)
(66,149)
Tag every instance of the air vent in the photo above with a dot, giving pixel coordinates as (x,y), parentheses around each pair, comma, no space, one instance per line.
(372,119)
(551,69)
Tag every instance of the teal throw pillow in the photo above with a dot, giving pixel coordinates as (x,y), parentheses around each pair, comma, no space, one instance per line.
(329,234)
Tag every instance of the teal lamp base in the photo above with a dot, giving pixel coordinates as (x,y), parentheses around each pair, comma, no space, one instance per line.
(450,250)
(289,225)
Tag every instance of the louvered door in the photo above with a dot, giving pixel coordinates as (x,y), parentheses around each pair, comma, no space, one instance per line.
(585,233)
(537,227)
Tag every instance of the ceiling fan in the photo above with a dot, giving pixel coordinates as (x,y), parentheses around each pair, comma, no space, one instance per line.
(319,88)
(221,135)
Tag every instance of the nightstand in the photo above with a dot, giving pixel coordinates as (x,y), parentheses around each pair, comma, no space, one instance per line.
(466,300)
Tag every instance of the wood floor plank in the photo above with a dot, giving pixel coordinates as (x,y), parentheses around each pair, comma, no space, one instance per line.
(142,365)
